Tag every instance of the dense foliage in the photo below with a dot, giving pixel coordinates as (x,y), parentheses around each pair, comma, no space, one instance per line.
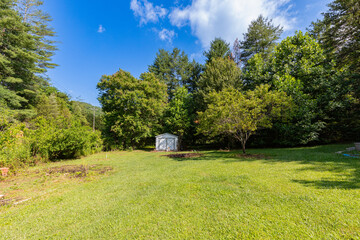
(18,68)
(260,38)
(219,73)
(339,32)
(321,92)
(132,108)
(37,122)
(179,116)
(240,115)
(218,49)
(63,138)
(318,71)
(175,70)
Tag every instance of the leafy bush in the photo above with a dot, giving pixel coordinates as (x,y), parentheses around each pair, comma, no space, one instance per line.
(15,146)
(64,139)
(46,139)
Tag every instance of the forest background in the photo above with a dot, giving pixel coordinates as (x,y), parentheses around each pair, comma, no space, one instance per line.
(259,91)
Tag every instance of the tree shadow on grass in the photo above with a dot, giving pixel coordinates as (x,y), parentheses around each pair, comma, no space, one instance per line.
(346,173)
(346,170)
(205,156)
(331,184)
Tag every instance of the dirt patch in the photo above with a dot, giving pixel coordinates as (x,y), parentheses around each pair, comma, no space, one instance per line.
(184,155)
(78,170)
(28,184)
(252,156)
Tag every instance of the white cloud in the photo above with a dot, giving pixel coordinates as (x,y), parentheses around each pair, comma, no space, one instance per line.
(101,29)
(229,19)
(146,11)
(166,35)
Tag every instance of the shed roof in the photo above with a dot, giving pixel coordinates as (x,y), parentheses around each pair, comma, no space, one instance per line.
(166,135)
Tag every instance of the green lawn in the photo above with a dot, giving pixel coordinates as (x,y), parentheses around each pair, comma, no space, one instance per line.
(302,193)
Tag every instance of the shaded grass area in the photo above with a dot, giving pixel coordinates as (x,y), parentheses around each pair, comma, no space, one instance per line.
(302,193)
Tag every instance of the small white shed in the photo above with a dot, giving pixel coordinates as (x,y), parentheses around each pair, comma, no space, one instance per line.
(166,142)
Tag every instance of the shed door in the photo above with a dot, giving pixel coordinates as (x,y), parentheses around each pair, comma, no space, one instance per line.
(171,144)
(162,144)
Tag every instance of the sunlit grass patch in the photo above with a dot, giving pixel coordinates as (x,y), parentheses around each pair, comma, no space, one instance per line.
(301,193)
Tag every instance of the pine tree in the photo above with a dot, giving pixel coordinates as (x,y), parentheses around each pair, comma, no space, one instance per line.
(174,69)
(219,74)
(39,21)
(340,32)
(17,59)
(25,54)
(218,48)
(260,37)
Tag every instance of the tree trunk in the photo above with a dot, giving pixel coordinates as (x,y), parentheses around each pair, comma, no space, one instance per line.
(243,140)
(243,147)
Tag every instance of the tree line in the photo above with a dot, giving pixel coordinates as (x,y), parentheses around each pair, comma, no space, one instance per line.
(301,90)
(37,121)
(260,91)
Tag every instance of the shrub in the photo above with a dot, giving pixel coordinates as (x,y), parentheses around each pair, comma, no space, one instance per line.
(46,139)
(64,139)
(15,148)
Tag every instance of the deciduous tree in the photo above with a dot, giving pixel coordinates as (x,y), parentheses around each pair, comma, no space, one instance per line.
(178,115)
(219,73)
(132,107)
(299,67)
(240,114)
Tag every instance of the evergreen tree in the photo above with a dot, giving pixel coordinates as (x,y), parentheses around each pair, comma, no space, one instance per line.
(25,55)
(195,73)
(218,49)
(260,37)
(219,74)
(339,34)
(18,59)
(174,69)
(31,13)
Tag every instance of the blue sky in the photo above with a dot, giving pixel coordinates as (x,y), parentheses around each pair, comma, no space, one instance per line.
(100,37)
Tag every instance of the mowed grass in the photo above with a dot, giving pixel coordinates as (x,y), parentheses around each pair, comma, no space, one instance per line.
(300,193)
